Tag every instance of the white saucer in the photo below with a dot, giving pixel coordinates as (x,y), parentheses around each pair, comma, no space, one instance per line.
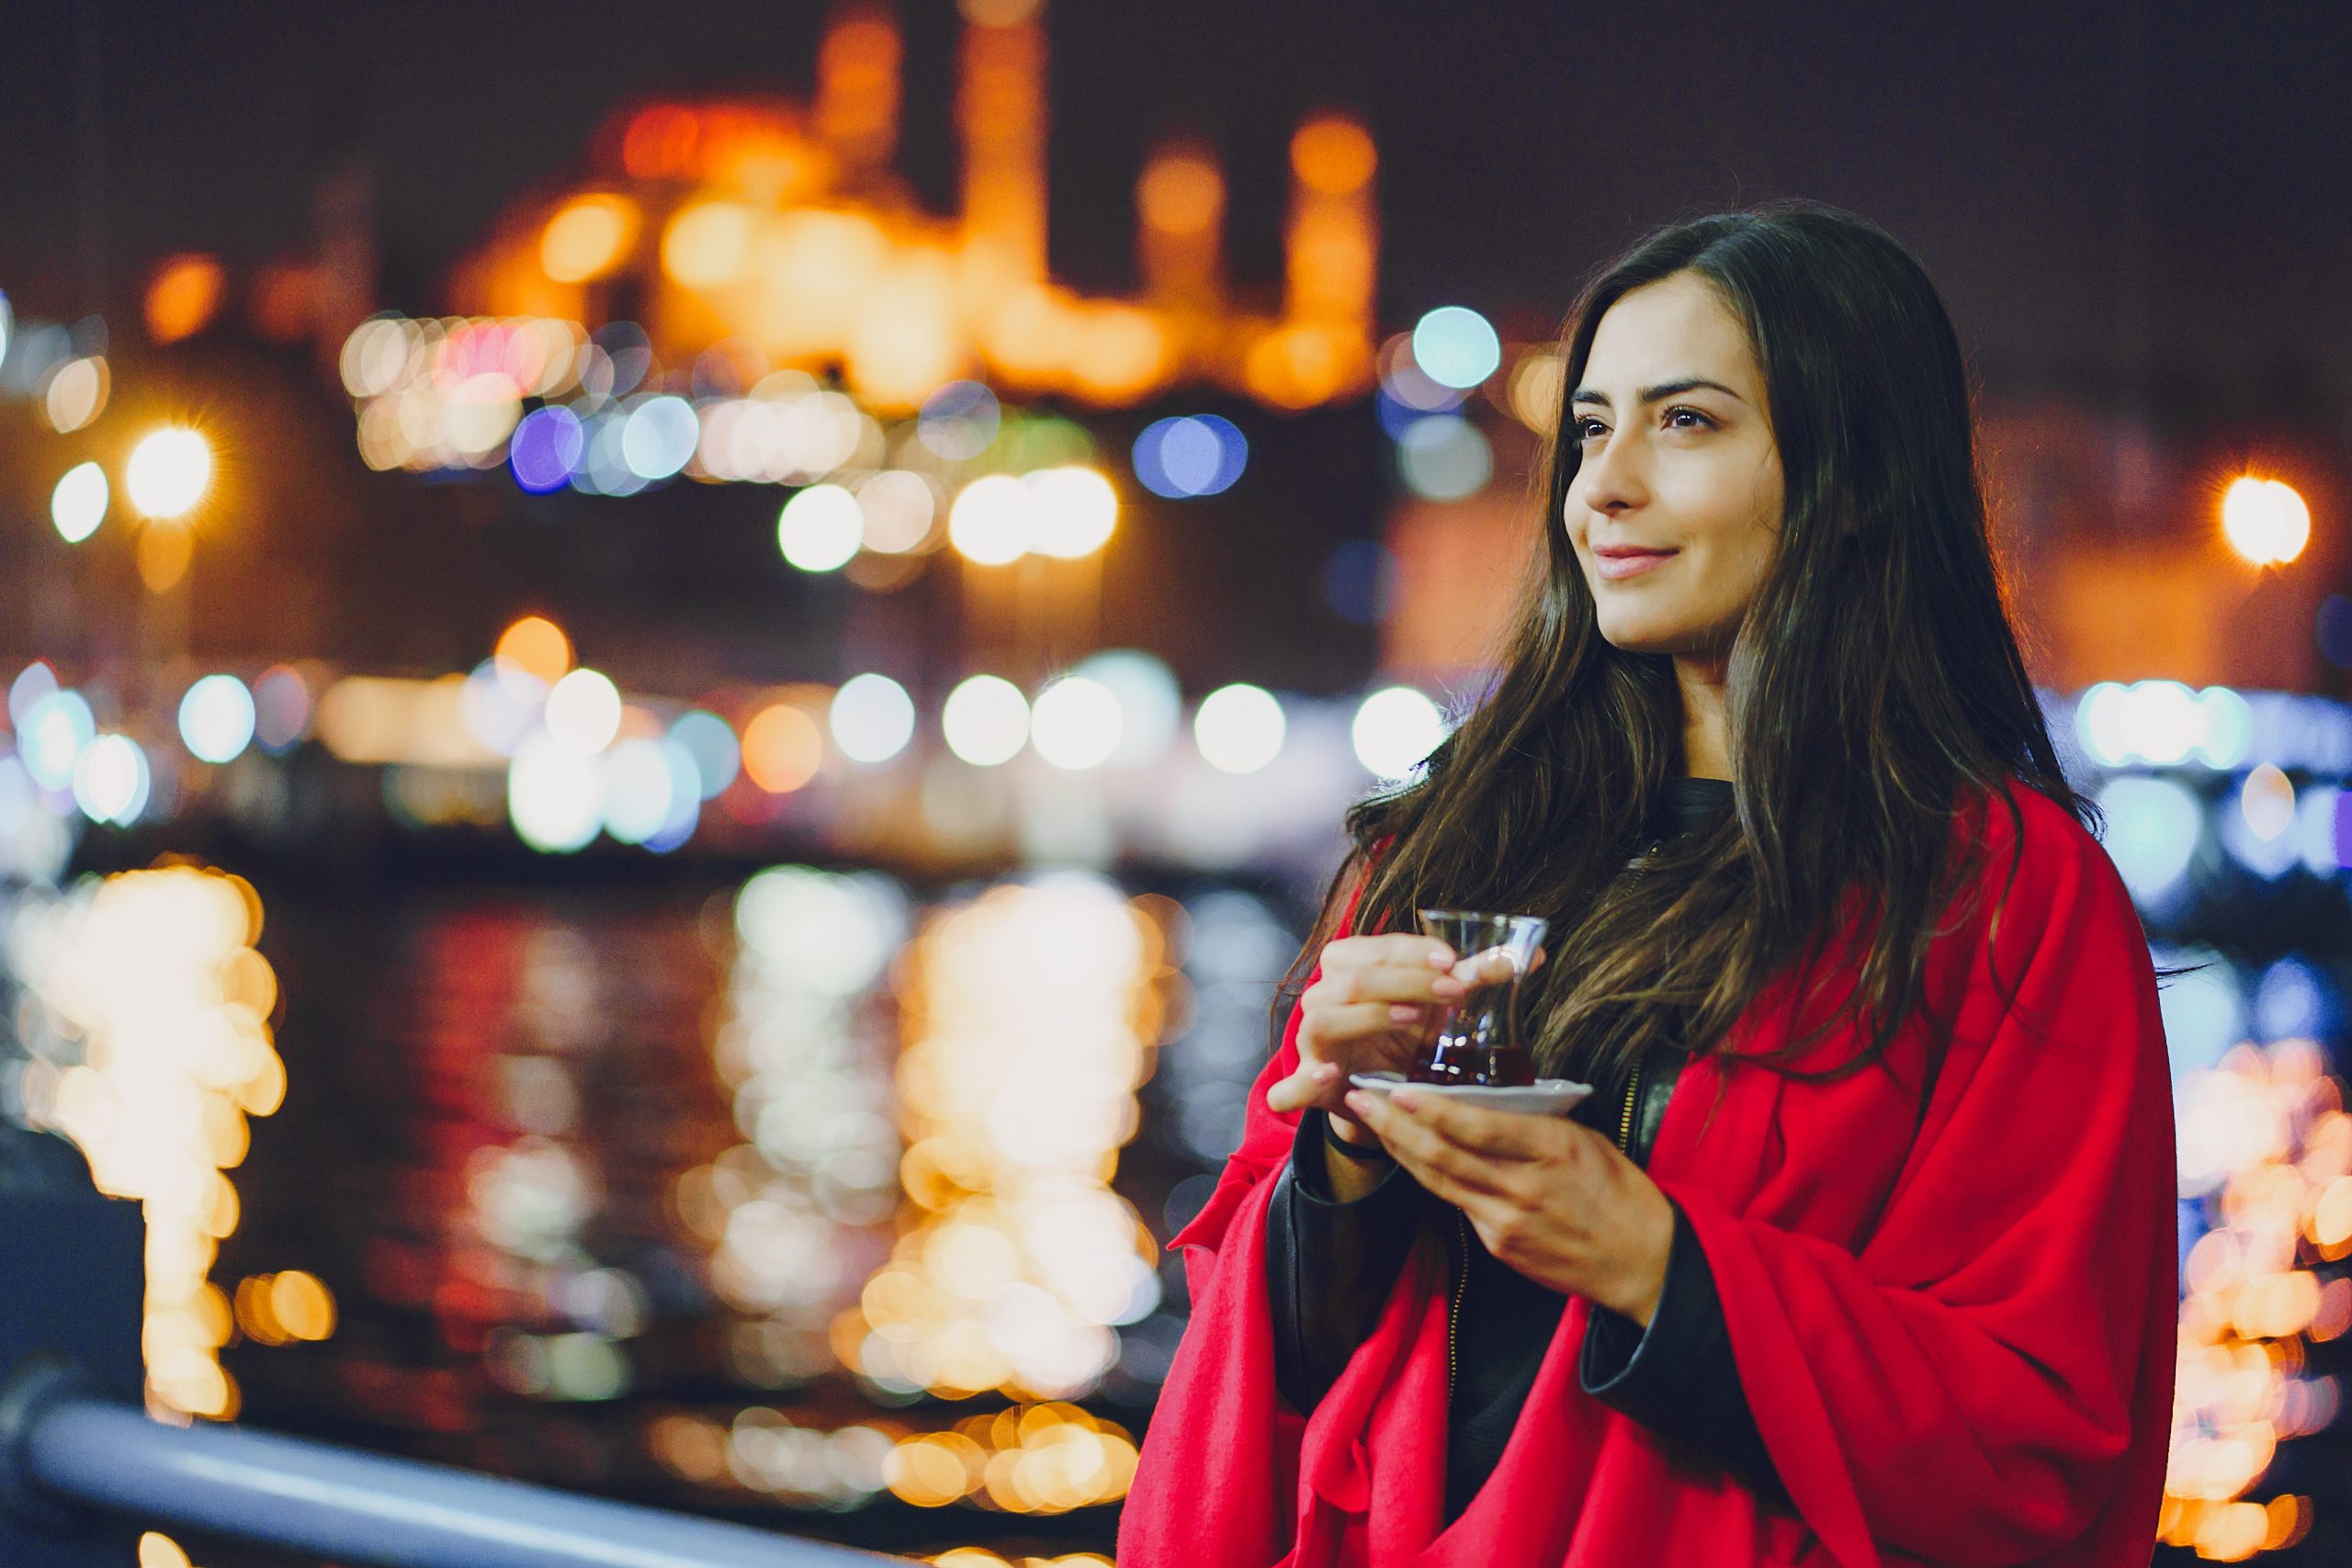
(1545,1097)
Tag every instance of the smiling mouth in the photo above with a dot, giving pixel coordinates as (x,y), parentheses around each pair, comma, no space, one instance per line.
(1611,565)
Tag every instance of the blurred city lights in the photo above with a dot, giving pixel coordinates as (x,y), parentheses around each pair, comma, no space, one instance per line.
(2265,519)
(282,708)
(553,795)
(1191,456)
(584,711)
(1016,1089)
(1394,729)
(2153,829)
(503,705)
(110,780)
(872,718)
(78,504)
(587,238)
(1456,347)
(74,393)
(959,421)
(984,720)
(782,749)
(899,508)
(52,735)
(534,645)
(1444,457)
(1151,705)
(159,1050)
(547,449)
(989,523)
(1238,728)
(217,718)
(717,756)
(1536,385)
(1076,723)
(661,435)
(168,472)
(1073,512)
(2163,722)
(182,296)
(821,528)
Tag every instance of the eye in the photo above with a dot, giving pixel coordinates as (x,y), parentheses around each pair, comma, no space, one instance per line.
(1587,428)
(1705,423)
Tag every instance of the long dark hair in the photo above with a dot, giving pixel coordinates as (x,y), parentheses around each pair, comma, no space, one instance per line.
(1876,689)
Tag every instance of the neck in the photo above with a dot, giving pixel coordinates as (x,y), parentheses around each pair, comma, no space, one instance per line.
(1706,717)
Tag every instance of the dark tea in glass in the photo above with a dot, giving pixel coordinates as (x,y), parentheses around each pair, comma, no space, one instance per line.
(1476,1040)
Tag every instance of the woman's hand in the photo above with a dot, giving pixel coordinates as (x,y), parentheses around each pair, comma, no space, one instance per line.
(1370,1011)
(1550,1197)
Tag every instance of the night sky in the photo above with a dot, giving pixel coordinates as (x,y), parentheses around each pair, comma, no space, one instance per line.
(2135,201)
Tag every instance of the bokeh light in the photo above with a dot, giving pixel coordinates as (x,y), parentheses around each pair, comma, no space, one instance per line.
(217,718)
(1195,455)
(1076,723)
(2265,519)
(1073,512)
(587,238)
(1444,457)
(168,472)
(546,449)
(984,720)
(872,718)
(536,646)
(1239,727)
(1456,347)
(989,523)
(782,748)
(821,528)
(717,755)
(583,712)
(1394,729)
(78,504)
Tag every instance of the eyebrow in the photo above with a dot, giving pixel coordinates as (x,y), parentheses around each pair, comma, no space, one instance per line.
(1663,390)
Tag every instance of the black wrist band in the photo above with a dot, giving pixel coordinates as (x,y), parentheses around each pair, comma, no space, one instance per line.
(1365,1152)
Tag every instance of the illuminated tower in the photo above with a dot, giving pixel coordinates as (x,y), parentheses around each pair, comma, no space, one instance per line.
(857,87)
(1334,233)
(1001,109)
(1180,239)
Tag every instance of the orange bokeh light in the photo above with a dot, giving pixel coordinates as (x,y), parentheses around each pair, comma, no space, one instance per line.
(782,747)
(183,297)
(536,645)
(588,237)
(1333,155)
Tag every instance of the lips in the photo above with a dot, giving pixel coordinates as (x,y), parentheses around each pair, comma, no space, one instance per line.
(1614,561)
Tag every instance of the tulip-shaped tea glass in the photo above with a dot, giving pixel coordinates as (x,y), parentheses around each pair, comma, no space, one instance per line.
(1476,1040)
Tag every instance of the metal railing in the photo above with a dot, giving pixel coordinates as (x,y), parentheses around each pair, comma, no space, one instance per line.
(58,1445)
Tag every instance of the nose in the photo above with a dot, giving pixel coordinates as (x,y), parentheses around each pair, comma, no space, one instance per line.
(1611,480)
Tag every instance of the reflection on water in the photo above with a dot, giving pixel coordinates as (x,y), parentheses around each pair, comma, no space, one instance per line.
(805,1202)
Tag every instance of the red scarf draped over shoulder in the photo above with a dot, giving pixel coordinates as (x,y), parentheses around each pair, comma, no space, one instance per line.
(1958,1343)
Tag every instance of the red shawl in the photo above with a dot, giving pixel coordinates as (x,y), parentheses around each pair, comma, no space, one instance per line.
(1959,1344)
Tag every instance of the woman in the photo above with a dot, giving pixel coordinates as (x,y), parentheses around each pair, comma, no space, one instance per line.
(1864,1253)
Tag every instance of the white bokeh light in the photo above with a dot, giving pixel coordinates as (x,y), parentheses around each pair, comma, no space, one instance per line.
(1394,729)
(1239,727)
(584,711)
(78,504)
(872,718)
(217,718)
(821,528)
(1076,723)
(985,720)
(553,795)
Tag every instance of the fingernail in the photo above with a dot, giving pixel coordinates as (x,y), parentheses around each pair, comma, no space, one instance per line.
(1356,1099)
(1447,985)
(1404,1012)
(1440,958)
(1327,1071)
(1404,1099)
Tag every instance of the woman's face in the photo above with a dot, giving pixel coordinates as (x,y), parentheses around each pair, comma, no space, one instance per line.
(1676,500)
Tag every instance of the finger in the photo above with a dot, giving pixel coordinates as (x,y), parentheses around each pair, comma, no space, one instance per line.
(1435,1158)
(1490,1133)
(1490,966)
(1350,1024)
(1358,951)
(1302,1089)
